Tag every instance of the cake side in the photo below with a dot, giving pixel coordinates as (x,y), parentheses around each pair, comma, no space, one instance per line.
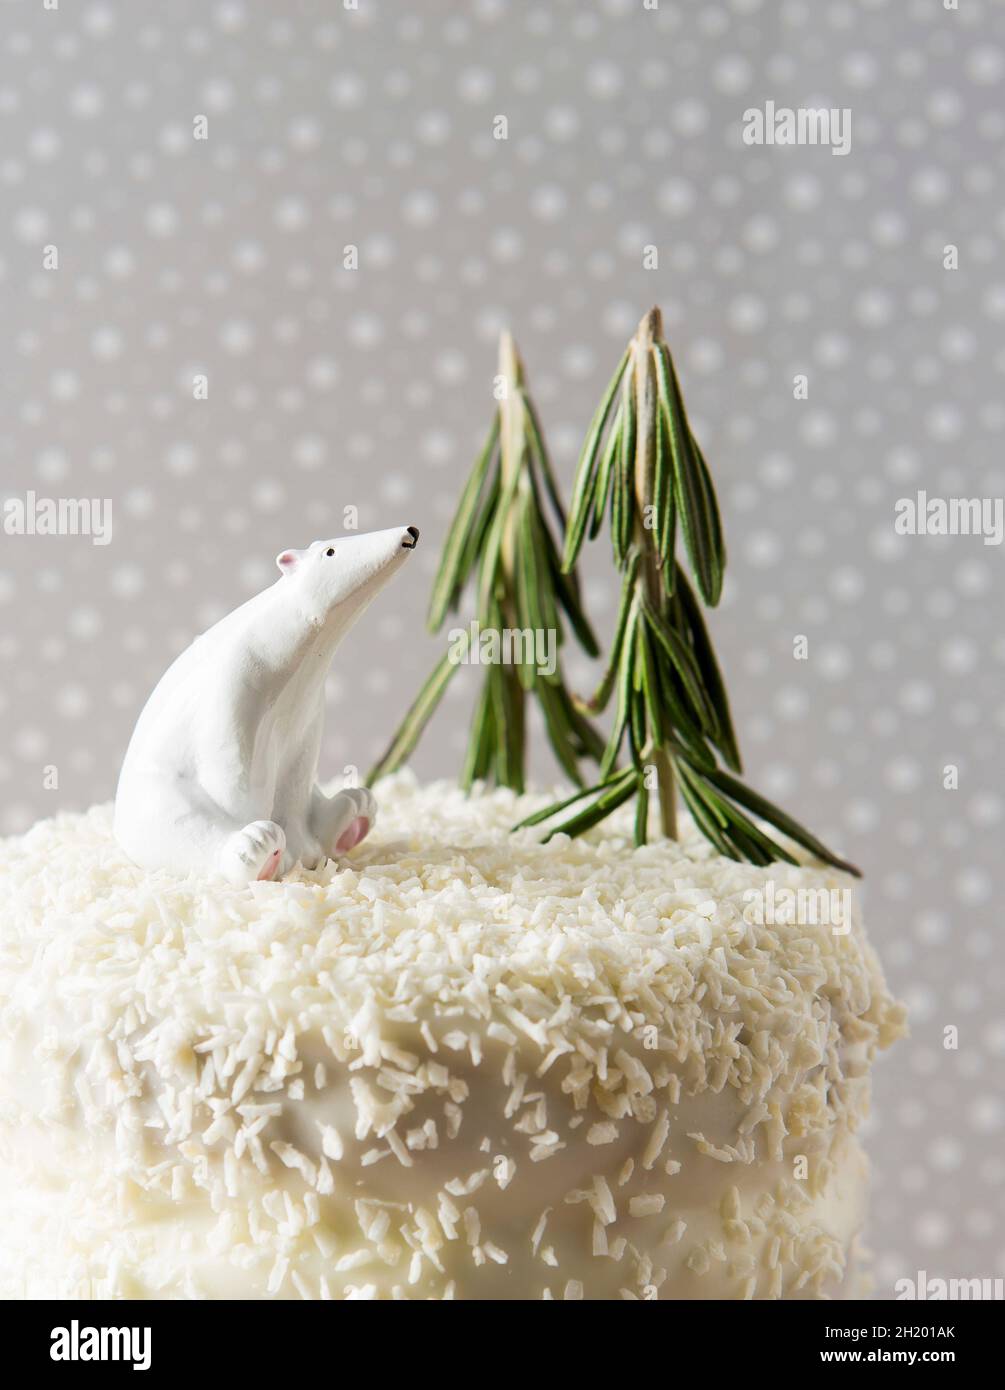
(460,1064)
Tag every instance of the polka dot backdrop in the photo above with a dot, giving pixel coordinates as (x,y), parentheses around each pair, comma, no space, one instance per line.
(324,128)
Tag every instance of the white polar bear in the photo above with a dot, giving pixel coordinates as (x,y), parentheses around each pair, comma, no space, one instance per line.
(219,775)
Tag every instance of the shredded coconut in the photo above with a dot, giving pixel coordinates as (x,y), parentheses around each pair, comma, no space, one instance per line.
(304,1075)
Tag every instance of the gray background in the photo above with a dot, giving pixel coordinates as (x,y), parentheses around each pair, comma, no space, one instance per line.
(372,388)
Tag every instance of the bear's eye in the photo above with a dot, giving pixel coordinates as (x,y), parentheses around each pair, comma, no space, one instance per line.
(329,552)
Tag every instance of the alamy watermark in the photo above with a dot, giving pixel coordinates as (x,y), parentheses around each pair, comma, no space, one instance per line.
(475,645)
(805,907)
(922,515)
(802,125)
(927,1289)
(76,1343)
(32,515)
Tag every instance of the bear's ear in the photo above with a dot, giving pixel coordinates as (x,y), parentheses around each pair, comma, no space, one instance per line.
(288,560)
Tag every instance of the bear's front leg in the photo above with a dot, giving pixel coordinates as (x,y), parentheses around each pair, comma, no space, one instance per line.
(341,821)
(294,785)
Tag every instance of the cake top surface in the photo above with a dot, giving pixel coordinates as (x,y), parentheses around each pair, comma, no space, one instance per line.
(442,912)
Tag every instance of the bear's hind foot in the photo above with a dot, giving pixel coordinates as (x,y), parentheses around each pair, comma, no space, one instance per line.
(341,821)
(356,831)
(254,853)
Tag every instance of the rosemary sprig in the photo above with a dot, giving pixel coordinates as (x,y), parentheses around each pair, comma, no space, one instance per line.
(642,465)
(501,543)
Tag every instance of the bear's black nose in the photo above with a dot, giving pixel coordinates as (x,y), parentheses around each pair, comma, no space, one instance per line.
(413,531)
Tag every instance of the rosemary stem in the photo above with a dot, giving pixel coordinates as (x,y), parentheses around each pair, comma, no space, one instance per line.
(511,439)
(512,427)
(649,332)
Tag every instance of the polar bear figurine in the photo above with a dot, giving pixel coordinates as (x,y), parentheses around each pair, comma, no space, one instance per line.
(219,775)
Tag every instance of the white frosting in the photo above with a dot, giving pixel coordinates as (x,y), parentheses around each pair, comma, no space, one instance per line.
(463,1064)
(220,773)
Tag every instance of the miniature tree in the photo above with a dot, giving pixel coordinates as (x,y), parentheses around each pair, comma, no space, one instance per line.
(642,466)
(501,540)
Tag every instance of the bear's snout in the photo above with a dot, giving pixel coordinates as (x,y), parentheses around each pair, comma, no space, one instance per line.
(413,531)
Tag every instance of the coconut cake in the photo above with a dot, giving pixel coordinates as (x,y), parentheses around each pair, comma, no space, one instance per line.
(459,1063)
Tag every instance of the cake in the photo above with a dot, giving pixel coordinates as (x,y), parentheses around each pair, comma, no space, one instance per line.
(459,1063)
